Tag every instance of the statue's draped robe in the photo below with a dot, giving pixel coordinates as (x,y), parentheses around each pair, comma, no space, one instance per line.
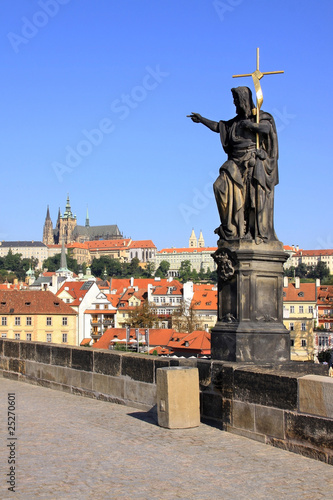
(244,190)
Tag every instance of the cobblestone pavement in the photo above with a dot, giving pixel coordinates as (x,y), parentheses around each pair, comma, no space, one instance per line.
(72,447)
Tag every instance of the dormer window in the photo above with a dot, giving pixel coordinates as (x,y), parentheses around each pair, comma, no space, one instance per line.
(301,294)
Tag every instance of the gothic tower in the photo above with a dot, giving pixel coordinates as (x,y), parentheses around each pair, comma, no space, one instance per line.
(201,241)
(48,238)
(65,225)
(193,242)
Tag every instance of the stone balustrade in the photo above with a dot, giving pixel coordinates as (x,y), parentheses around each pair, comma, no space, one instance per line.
(289,406)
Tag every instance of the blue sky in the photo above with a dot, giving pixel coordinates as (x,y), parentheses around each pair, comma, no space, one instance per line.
(94,97)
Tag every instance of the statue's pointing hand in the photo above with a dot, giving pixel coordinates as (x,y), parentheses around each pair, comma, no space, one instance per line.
(195,117)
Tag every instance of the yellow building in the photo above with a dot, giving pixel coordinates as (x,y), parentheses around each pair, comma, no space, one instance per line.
(299,312)
(36,316)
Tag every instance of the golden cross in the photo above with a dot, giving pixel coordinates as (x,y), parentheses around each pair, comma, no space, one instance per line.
(256,77)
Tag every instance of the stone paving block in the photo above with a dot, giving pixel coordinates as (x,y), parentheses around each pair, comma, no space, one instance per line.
(108,363)
(243,415)
(269,421)
(316,395)
(247,434)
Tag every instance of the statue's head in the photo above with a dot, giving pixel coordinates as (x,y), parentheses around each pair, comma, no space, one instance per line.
(243,101)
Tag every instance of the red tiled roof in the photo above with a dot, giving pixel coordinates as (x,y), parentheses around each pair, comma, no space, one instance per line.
(74,290)
(157,336)
(199,340)
(305,293)
(142,244)
(313,253)
(86,341)
(32,302)
(205,299)
(187,250)
(108,244)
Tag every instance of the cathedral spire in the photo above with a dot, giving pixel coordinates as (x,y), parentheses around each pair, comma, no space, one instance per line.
(48,214)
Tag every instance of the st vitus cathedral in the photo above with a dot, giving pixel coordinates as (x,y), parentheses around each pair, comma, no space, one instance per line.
(68,231)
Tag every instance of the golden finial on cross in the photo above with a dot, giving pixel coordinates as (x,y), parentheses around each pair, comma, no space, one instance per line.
(256,77)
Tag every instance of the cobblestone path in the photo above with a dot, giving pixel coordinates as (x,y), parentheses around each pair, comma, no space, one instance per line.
(72,447)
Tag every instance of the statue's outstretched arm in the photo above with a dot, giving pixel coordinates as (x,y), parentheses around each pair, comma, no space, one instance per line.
(196,118)
(262,127)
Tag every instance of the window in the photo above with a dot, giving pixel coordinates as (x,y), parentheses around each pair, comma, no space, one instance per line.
(292,342)
(64,321)
(323,341)
(49,337)
(64,337)
(3,335)
(291,326)
(17,321)
(4,321)
(96,306)
(28,321)
(28,336)
(106,306)
(301,309)
(311,309)
(303,327)
(327,326)
(292,309)
(17,336)
(49,321)
(303,343)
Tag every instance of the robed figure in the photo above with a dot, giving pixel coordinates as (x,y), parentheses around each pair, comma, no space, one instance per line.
(244,190)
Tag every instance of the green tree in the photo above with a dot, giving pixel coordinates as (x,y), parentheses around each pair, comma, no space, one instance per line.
(163,268)
(320,271)
(185,271)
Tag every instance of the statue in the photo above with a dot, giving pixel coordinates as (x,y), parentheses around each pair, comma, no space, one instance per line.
(244,190)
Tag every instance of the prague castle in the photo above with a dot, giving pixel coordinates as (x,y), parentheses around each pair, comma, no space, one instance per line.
(68,231)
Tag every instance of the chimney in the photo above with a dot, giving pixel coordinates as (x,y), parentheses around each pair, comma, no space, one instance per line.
(297,282)
(285,282)
(297,248)
(132,282)
(317,283)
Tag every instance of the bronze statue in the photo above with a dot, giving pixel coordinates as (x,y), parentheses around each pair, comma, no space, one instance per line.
(244,190)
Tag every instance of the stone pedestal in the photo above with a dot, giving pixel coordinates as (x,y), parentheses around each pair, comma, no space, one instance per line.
(178,400)
(250,303)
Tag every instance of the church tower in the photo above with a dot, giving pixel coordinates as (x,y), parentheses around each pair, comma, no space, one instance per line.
(201,241)
(65,225)
(193,242)
(48,238)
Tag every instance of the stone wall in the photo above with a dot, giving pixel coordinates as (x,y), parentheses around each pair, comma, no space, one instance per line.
(289,406)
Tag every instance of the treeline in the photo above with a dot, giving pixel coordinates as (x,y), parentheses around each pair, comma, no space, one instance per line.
(12,267)
(320,271)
